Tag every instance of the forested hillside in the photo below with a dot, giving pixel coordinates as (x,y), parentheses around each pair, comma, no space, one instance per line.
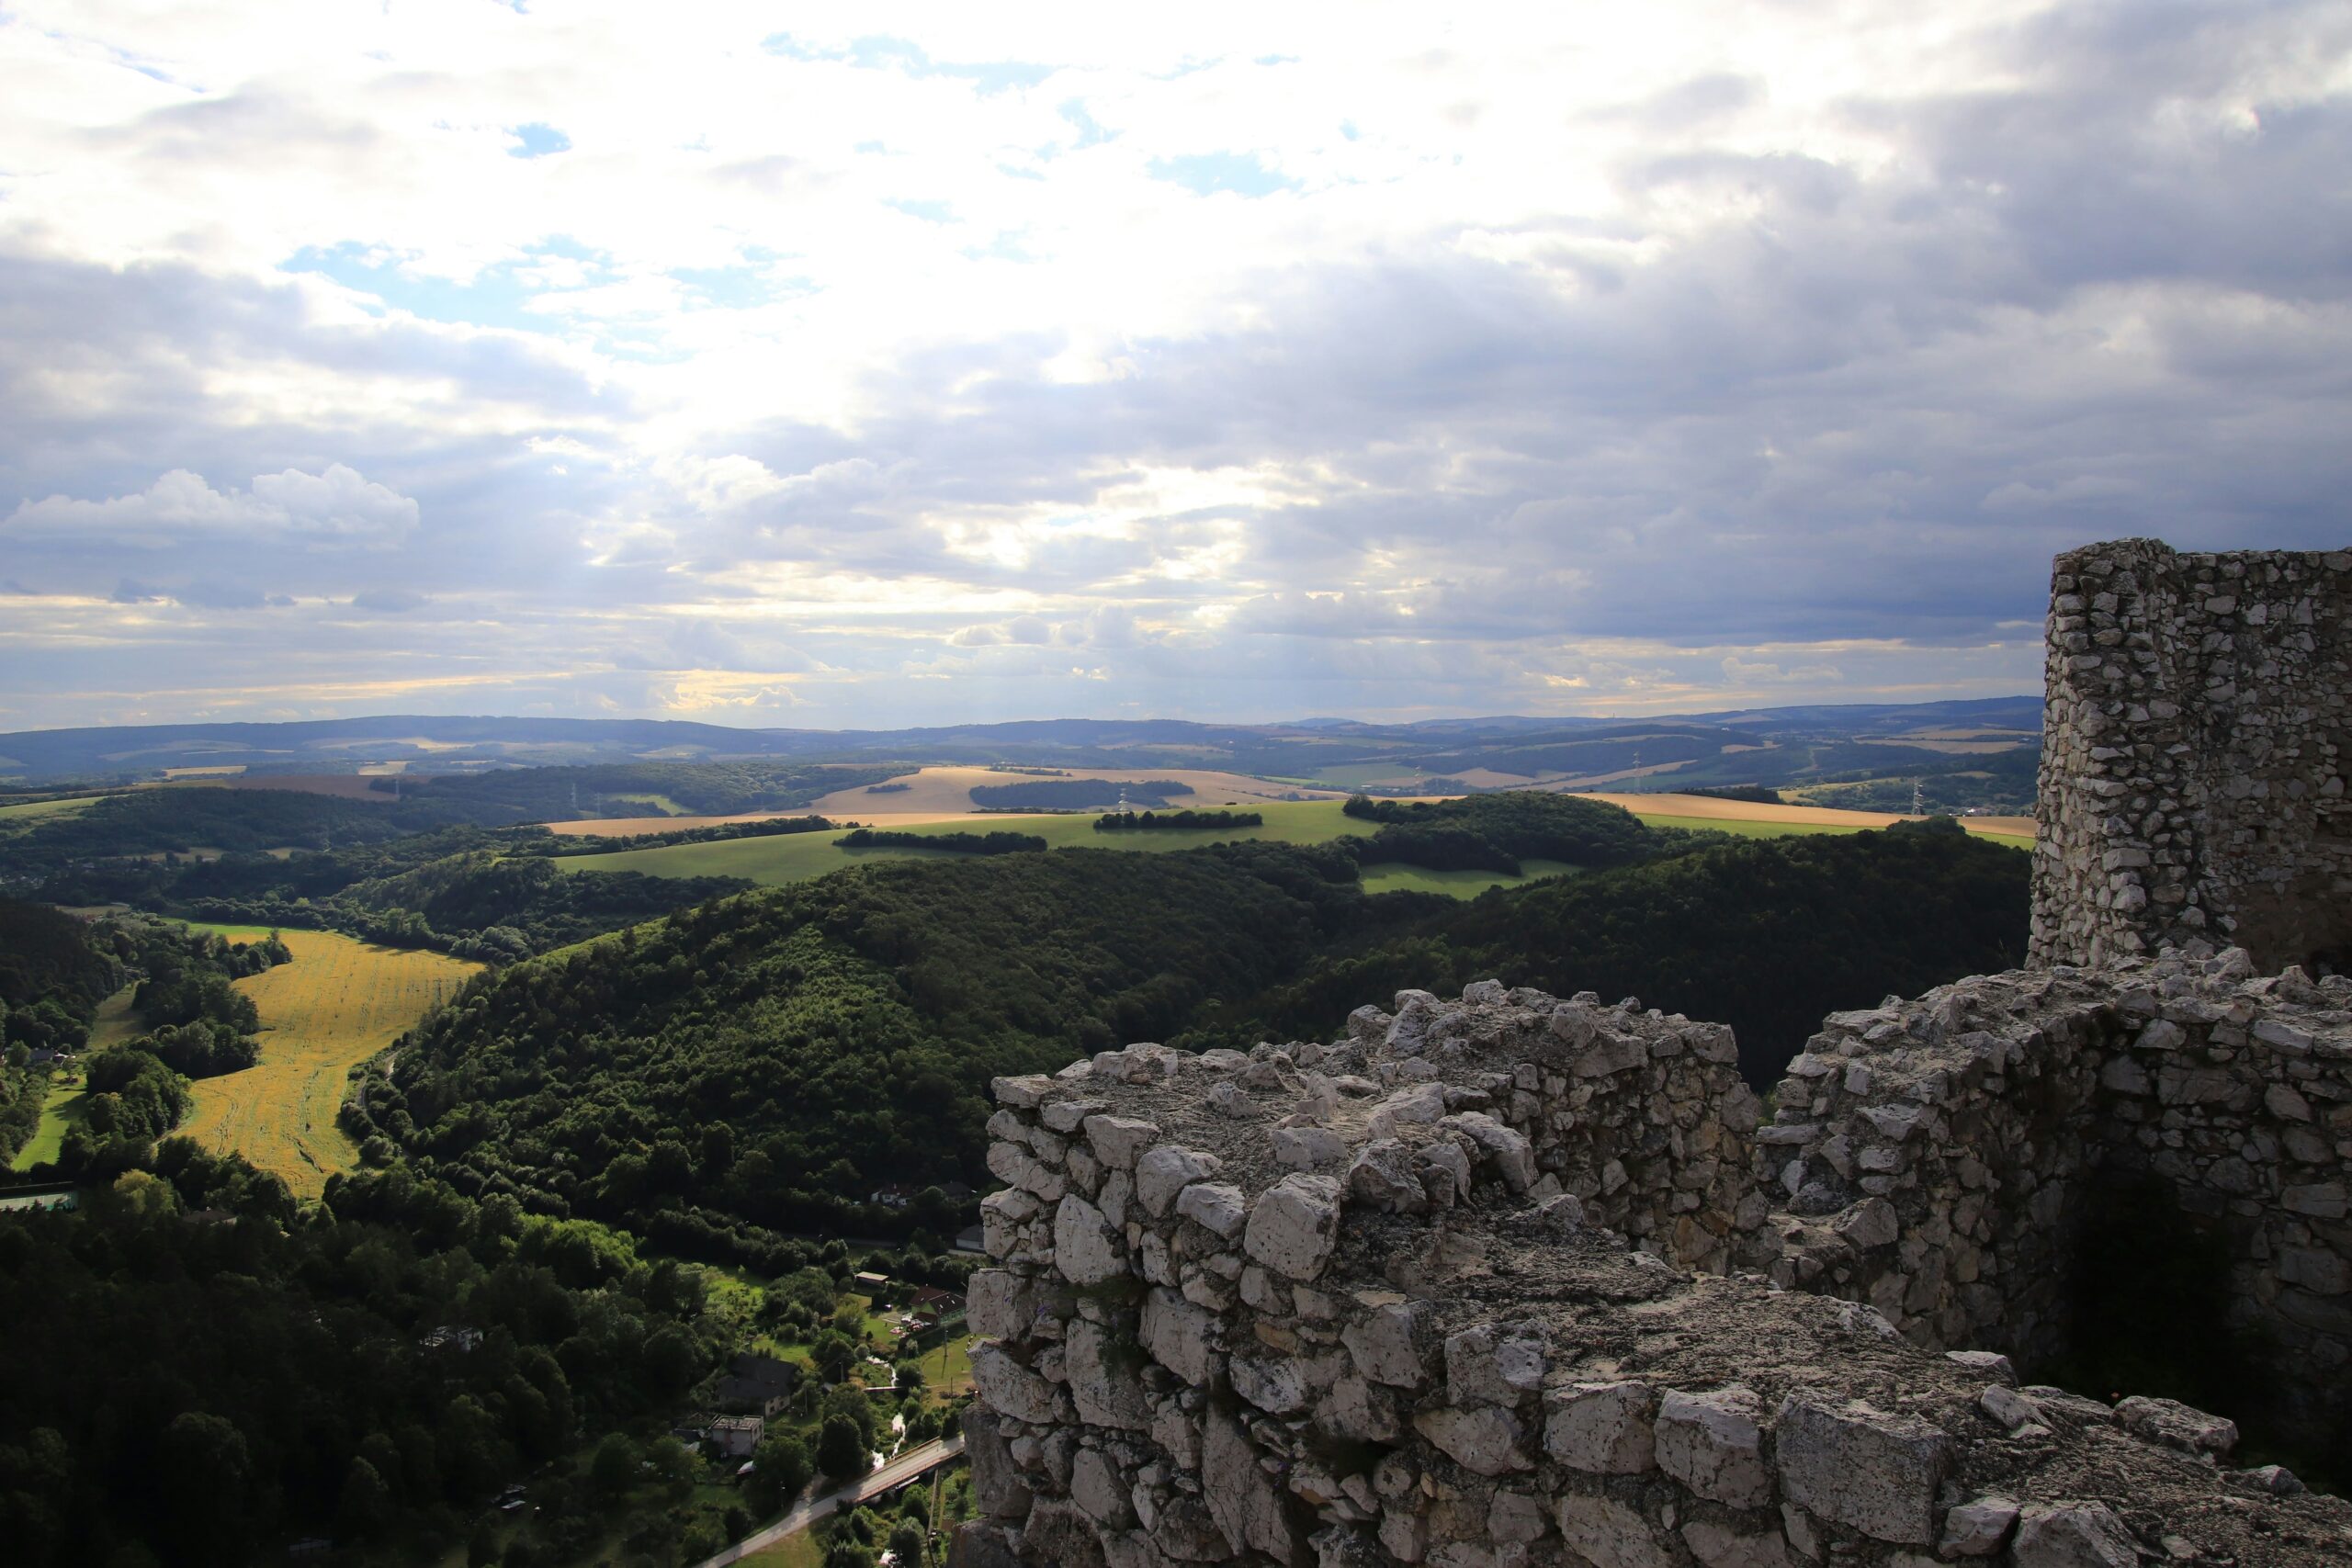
(198,1371)
(765,1062)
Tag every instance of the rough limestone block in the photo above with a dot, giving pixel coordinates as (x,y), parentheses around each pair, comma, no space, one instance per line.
(1718,1546)
(1865,1467)
(2177,1426)
(1978,1529)
(2072,1535)
(1484,1439)
(1087,1251)
(997,1304)
(1603,1429)
(1117,1140)
(1714,1443)
(1008,1387)
(1492,1366)
(1248,1510)
(997,1485)
(1023,1093)
(1385,1344)
(1294,1225)
(1382,1178)
(1180,1337)
(1608,1532)
(1215,1204)
(1101,1366)
(1163,1171)
(1095,1486)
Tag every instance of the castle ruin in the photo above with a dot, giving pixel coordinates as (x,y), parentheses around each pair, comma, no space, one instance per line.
(1518,1279)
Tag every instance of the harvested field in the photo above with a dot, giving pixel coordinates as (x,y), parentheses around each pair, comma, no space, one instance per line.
(949,789)
(1707,811)
(337,1004)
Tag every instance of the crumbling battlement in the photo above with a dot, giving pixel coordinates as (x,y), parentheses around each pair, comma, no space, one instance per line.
(1515,1280)
(1933,1158)
(2199,708)
(1355,1303)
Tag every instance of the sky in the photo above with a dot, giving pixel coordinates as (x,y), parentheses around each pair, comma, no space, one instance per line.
(889,364)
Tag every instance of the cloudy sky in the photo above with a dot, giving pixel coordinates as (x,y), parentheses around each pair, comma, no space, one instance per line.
(878,365)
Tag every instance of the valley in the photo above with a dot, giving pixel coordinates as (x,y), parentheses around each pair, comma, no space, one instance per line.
(509,1054)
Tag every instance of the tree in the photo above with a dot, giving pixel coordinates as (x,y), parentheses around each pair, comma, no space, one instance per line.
(204,1475)
(832,1354)
(908,1378)
(841,1452)
(612,1470)
(780,1468)
(366,1506)
(907,1544)
(842,1549)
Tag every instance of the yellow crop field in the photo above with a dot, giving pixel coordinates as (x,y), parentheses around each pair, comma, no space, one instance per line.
(337,1004)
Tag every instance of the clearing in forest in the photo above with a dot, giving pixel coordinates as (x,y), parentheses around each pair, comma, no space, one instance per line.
(337,1004)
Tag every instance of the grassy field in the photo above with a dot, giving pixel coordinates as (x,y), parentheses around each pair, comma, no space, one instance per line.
(59,1114)
(337,1004)
(27,811)
(1389,877)
(114,1022)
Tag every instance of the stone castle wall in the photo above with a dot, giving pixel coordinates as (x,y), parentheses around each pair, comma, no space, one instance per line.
(1936,1158)
(1333,1305)
(1519,1280)
(2196,738)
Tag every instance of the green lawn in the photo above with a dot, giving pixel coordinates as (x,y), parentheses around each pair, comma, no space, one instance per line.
(60,1112)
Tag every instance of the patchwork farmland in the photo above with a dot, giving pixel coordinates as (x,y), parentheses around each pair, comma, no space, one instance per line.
(337,1004)
(795,857)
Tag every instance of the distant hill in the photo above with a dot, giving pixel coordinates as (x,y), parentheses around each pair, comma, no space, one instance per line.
(1773,747)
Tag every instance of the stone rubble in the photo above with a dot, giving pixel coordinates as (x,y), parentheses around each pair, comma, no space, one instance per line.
(1526,1338)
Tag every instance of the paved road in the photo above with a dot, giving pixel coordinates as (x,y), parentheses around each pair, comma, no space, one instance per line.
(896,1473)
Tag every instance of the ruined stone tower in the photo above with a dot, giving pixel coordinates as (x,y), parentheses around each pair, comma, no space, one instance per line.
(2195,746)
(1520,1281)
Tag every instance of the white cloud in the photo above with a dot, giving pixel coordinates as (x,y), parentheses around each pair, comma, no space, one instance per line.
(337,506)
(1280,359)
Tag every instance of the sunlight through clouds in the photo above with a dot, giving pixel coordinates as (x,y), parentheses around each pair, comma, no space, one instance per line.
(1280,360)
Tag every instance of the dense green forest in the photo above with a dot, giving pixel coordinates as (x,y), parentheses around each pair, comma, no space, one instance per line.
(490,893)
(764,1063)
(1127,821)
(184,820)
(951,843)
(216,1371)
(1495,833)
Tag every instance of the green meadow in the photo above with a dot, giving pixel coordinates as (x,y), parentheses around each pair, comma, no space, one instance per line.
(30,810)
